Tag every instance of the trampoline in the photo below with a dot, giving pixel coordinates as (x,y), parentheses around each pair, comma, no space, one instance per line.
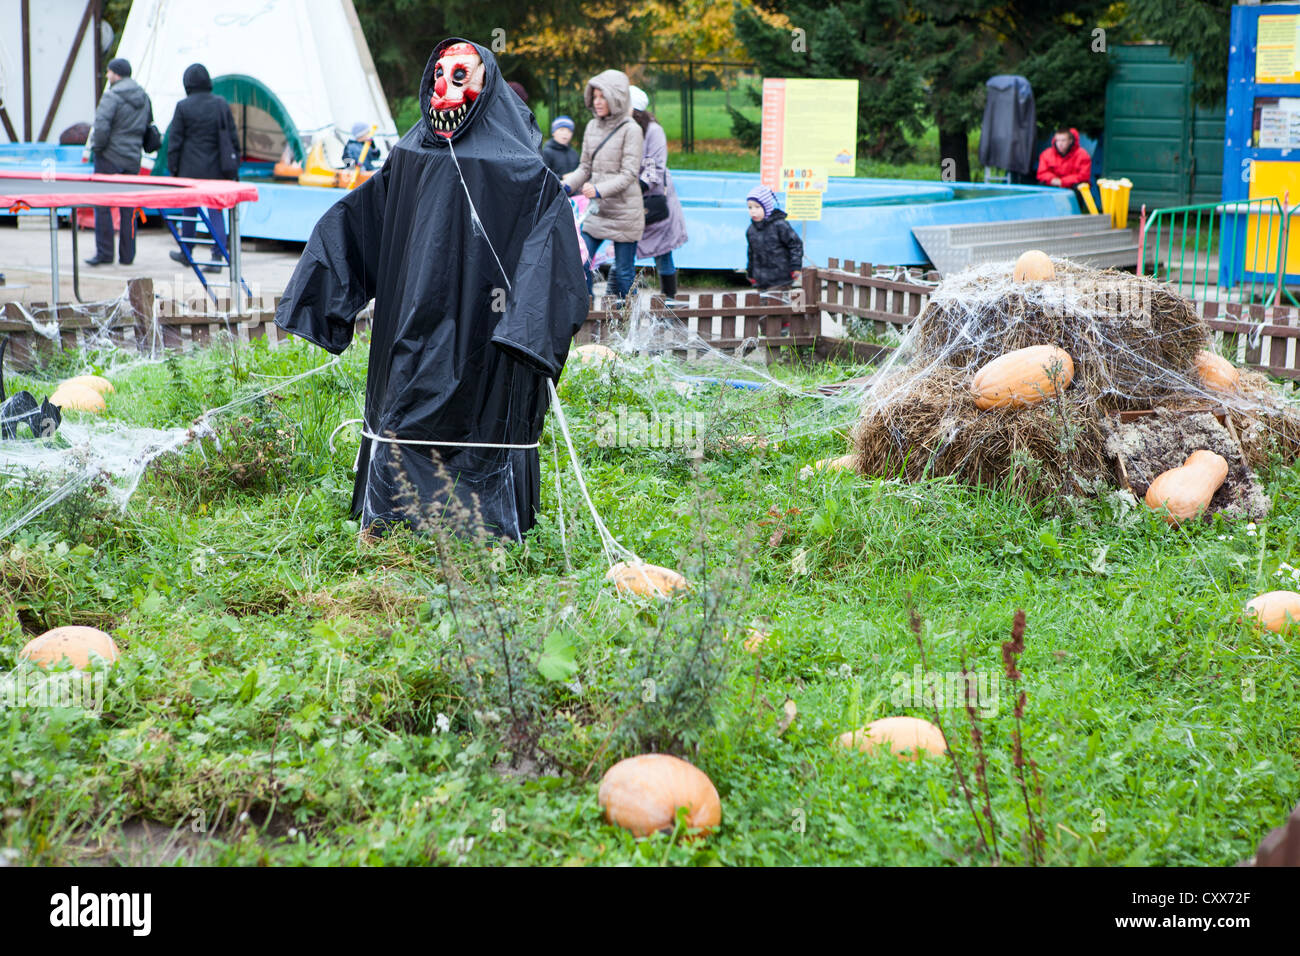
(22,191)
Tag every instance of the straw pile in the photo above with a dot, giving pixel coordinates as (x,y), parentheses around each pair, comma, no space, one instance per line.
(1134,344)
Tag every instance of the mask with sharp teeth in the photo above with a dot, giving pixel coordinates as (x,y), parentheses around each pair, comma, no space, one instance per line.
(457,82)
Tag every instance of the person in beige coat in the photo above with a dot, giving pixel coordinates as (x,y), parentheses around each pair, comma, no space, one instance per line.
(607,175)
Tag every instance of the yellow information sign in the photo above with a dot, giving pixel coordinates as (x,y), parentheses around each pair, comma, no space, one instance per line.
(803,204)
(1276,50)
(803,187)
(1269,179)
(809,123)
(803,178)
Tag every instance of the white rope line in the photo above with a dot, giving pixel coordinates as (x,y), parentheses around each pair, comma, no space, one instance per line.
(613,550)
(424,442)
(446,444)
(559,503)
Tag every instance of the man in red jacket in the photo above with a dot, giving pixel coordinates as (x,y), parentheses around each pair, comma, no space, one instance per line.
(1065,163)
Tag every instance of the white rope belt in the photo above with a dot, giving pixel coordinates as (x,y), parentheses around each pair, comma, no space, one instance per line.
(416,441)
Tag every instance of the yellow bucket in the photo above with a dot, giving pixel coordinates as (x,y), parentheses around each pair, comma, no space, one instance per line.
(1107,189)
(1119,214)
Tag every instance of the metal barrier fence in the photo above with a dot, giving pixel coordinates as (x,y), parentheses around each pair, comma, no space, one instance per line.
(1227,252)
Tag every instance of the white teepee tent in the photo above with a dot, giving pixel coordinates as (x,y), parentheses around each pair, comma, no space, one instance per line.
(293,70)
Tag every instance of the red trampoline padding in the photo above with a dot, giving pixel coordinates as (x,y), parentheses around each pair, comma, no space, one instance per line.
(38,191)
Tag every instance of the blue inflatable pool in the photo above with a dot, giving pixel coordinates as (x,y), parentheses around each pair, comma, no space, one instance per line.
(867,220)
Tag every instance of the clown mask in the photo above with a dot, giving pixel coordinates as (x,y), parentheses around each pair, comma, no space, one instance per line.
(457,82)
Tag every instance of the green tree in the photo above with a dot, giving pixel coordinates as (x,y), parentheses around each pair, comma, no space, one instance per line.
(859,39)
(925,62)
(1193,28)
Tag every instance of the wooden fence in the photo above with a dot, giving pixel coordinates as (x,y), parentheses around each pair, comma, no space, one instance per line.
(817,314)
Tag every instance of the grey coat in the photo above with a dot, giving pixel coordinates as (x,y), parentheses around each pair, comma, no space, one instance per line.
(120,122)
(619,213)
(667,234)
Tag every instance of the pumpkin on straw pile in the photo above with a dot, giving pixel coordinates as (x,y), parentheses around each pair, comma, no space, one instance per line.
(1139,357)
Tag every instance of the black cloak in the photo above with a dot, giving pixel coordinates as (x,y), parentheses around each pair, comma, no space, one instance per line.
(472,314)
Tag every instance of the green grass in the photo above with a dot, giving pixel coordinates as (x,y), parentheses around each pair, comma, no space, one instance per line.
(279,693)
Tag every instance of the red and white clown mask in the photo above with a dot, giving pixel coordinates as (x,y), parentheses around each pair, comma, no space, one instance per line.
(457,82)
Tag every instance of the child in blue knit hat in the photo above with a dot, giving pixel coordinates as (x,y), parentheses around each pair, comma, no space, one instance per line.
(557,154)
(775,249)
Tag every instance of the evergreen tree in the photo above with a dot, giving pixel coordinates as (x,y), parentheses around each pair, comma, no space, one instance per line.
(925,62)
(1193,28)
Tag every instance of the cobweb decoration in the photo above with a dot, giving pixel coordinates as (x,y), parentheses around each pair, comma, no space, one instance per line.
(1135,346)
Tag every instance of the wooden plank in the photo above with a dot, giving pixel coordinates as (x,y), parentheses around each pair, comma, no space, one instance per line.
(829,348)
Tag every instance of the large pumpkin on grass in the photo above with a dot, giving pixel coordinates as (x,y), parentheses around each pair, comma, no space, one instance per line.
(593,353)
(79,398)
(95,383)
(1186,490)
(1278,611)
(1022,378)
(905,737)
(642,794)
(647,580)
(74,643)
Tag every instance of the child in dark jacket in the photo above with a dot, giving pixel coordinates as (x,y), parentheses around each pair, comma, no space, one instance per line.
(775,250)
(557,154)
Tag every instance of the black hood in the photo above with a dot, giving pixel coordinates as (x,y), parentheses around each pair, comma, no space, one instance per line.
(497,112)
(776,215)
(196,79)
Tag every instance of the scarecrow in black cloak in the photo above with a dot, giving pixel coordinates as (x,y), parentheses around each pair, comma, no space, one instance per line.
(466,242)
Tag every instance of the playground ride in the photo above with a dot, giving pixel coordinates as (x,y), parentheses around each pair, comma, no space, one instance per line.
(316,170)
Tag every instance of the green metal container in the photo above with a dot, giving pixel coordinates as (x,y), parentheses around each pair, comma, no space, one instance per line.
(1170,148)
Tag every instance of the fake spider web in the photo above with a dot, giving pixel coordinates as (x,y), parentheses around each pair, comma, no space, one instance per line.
(1137,404)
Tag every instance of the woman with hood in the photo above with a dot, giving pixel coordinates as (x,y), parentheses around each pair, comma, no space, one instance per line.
(466,243)
(607,174)
(202,129)
(668,230)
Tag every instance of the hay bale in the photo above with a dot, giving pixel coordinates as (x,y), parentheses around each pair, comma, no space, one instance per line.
(1132,339)
(1134,345)
(929,426)
(1266,422)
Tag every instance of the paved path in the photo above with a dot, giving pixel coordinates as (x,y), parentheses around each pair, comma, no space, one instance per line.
(25,262)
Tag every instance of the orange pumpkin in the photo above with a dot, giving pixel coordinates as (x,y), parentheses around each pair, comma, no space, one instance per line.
(647,580)
(595,353)
(642,794)
(95,382)
(80,398)
(1034,266)
(73,642)
(1022,378)
(1186,490)
(1217,372)
(905,737)
(1278,611)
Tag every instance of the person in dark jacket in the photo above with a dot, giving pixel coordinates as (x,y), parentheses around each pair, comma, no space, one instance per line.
(559,157)
(194,142)
(775,249)
(120,121)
